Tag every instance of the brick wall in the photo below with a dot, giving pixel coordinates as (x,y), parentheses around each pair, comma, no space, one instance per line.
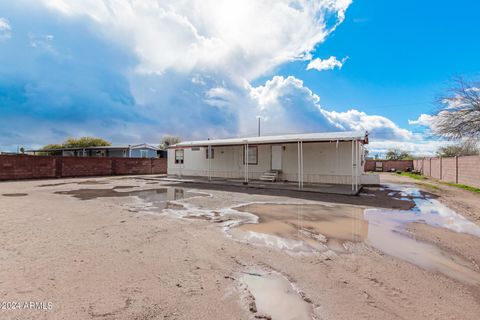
(159,165)
(133,166)
(23,167)
(463,170)
(401,165)
(85,167)
(37,167)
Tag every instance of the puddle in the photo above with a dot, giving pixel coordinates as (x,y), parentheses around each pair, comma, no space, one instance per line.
(388,235)
(14,194)
(303,227)
(124,187)
(275,297)
(93,182)
(55,184)
(85,182)
(319,227)
(151,199)
(426,210)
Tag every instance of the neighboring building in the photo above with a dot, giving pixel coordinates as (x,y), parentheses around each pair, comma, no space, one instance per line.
(131,151)
(328,157)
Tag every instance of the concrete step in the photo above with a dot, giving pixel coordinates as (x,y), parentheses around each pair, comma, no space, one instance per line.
(269,176)
(267,179)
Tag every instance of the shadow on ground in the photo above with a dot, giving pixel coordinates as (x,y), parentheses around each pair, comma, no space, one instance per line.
(369,196)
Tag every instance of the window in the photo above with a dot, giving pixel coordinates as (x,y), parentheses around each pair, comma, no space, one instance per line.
(252,155)
(179,156)
(212,155)
(143,153)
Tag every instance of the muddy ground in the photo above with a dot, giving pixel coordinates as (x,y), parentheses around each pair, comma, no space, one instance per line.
(178,251)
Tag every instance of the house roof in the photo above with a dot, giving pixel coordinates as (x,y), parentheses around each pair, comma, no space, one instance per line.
(287,138)
(143,146)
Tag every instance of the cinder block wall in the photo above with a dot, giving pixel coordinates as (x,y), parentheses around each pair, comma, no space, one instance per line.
(463,170)
(19,167)
(469,171)
(435,169)
(401,165)
(449,170)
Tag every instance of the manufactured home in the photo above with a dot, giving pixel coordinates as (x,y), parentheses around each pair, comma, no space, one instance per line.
(313,158)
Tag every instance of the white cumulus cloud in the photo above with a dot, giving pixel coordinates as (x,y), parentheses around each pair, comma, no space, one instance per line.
(192,70)
(326,64)
(380,127)
(286,105)
(5,29)
(425,120)
(244,38)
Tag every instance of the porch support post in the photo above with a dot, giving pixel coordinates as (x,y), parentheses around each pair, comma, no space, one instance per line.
(247,163)
(209,152)
(336,156)
(353,186)
(245,181)
(355,164)
(357,152)
(301,161)
(298,165)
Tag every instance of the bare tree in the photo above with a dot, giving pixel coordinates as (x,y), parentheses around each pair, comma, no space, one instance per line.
(459,116)
(397,154)
(463,148)
(169,140)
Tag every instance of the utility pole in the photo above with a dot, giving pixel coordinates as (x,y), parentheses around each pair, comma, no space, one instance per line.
(258,117)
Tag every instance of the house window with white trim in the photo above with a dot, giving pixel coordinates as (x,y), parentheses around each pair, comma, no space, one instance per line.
(143,153)
(179,153)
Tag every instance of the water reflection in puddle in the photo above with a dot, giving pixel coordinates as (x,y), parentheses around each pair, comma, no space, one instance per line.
(275,296)
(83,182)
(318,227)
(151,199)
(303,227)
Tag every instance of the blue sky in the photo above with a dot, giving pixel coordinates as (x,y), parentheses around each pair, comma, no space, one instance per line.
(401,56)
(132,71)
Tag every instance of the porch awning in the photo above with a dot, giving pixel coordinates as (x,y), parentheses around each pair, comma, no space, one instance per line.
(361,136)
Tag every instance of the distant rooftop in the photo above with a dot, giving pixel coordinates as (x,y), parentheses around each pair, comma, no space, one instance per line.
(121,147)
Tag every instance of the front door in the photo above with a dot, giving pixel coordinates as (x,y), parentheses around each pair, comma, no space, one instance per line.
(277,157)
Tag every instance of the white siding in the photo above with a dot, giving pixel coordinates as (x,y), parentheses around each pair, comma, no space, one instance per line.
(323,162)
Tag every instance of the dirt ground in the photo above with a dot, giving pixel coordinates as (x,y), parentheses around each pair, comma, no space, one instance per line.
(141,256)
